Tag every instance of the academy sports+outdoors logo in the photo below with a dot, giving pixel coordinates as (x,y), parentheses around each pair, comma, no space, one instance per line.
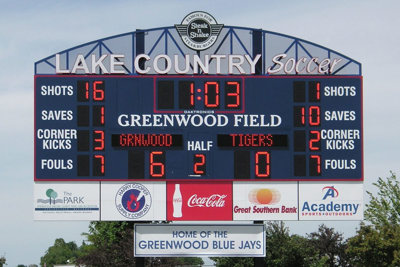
(330,192)
(330,205)
(133,200)
(199,30)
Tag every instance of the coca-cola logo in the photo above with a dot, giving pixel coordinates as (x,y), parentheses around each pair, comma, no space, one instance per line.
(213,201)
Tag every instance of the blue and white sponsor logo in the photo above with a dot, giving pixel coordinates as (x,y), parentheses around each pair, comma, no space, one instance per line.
(133,200)
(330,205)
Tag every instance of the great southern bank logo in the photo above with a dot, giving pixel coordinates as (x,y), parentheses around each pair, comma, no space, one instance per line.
(199,30)
(330,191)
(264,196)
(133,200)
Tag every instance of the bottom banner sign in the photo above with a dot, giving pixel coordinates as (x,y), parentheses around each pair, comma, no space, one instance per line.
(189,240)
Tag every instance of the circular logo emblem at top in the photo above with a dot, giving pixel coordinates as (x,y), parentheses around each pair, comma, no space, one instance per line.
(199,30)
(133,200)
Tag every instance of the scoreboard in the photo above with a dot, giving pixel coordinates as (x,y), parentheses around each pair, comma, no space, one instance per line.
(198,127)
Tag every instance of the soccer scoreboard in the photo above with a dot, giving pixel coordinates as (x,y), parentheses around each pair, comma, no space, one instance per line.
(198,127)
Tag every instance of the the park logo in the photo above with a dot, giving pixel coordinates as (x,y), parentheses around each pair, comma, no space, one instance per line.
(199,30)
(51,198)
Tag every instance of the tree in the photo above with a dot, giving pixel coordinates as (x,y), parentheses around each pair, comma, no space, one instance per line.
(384,209)
(379,244)
(111,244)
(375,246)
(282,249)
(329,244)
(2,261)
(233,262)
(60,253)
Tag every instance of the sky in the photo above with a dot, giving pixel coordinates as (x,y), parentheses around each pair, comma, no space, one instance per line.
(366,31)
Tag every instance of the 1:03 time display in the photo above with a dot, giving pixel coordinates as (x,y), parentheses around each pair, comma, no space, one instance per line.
(207,95)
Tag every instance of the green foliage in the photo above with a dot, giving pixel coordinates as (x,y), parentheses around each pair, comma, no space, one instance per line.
(384,209)
(233,262)
(373,246)
(2,261)
(379,244)
(60,253)
(284,249)
(111,244)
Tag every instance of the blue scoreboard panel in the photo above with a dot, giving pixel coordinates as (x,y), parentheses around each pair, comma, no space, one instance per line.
(198,127)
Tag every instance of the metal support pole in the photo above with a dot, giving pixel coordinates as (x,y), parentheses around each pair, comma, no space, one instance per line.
(139,262)
(259,261)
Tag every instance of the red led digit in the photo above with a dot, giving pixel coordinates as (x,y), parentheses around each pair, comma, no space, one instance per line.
(102,115)
(262,164)
(99,142)
(318,164)
(102,162)
(192,94)
(235,95)
(157,168)
(314,116)
(318,96)
(303,115)
(87,90)
(199,164)
(315,138)
(98,91)
(209,95)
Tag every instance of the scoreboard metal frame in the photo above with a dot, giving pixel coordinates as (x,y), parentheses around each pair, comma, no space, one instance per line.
(293,67)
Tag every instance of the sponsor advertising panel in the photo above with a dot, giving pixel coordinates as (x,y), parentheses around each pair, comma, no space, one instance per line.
(199,240)
(67,201)
(192,201)
(330,201)
(265,201)
(144,201)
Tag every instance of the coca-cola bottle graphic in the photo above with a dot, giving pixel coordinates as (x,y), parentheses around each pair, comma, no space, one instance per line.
(177,202)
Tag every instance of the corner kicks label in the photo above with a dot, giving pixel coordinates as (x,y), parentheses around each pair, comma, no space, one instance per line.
(331,201)
(133,200)
(199,30)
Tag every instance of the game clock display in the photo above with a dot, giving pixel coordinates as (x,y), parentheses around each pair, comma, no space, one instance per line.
(198,127)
